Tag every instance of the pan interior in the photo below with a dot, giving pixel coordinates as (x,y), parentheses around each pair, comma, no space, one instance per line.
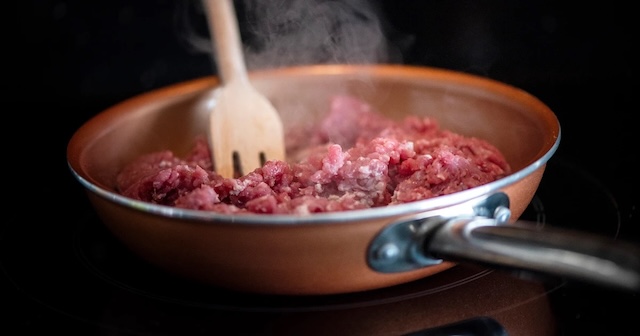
(521,126)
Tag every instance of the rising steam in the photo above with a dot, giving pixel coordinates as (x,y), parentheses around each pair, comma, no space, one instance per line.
(279,33)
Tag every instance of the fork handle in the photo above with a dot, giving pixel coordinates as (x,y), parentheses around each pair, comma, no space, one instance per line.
(223,26)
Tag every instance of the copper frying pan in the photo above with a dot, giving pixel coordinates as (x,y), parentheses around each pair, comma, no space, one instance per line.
(348,251)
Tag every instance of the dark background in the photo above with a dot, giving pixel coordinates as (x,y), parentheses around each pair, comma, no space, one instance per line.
(68,60)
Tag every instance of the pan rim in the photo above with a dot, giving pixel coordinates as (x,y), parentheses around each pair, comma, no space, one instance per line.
(382,70)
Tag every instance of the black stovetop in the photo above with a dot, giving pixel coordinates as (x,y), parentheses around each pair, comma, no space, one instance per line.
(61,271)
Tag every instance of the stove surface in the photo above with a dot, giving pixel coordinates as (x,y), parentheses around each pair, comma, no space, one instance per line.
(60,270)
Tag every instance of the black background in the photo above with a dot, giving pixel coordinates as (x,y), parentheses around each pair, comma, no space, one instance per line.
(68,60)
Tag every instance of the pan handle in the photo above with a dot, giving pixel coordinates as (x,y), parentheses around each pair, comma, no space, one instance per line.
(481,233)
(544,250)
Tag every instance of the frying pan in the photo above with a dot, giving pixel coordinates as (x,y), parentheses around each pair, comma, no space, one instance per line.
(357,250)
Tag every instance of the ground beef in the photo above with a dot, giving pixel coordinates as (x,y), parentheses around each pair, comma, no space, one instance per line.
(356,159)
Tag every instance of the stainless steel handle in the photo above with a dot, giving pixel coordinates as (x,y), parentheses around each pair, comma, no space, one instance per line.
(551,251)
(481,233)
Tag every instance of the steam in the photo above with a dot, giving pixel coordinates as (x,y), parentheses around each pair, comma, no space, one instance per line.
(280,33)
(290,32)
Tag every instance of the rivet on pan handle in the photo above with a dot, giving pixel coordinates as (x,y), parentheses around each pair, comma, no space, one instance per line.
(400,246)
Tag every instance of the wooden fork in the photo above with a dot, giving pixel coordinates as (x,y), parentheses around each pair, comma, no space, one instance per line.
(245,129)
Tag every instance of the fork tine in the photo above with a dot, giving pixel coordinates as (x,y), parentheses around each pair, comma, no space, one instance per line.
(243,140)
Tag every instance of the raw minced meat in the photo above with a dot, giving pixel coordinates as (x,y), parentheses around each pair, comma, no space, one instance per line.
(356,159)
